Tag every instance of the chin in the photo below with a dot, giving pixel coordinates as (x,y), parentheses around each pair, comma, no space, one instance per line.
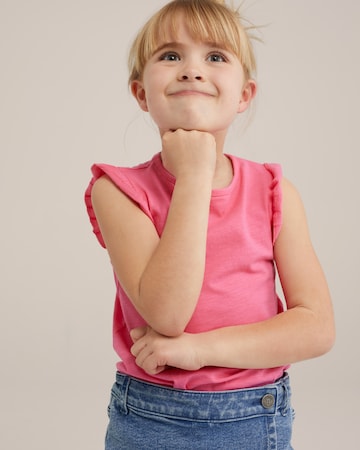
(191,120)
(190,125)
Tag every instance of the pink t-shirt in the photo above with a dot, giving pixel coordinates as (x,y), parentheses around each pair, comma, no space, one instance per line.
(239,282)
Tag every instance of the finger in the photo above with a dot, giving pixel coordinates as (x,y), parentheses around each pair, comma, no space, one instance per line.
(138,333)
(150,364)
(138,347)
(156,370)
(144,358)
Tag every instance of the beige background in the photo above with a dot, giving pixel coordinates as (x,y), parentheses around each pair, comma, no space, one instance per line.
(63,105)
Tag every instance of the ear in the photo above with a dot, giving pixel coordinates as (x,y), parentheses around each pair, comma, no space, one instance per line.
(138,91)
(248,93)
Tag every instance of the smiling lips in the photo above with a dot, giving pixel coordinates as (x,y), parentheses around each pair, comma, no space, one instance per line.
(190,92)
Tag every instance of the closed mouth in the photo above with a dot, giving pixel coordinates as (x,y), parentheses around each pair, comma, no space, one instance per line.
(189,92)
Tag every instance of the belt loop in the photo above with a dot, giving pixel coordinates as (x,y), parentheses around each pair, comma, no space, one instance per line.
(286,398)
(124,393)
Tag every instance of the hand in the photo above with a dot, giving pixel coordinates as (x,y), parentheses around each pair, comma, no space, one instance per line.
(186,152)
(155,352)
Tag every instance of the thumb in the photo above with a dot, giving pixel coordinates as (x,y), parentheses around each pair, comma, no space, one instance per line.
(138,333)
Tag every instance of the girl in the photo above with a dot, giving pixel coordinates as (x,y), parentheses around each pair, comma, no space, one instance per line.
(194,236)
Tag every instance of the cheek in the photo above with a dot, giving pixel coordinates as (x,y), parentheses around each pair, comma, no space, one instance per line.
(153,89)
(156,108)
(152,102)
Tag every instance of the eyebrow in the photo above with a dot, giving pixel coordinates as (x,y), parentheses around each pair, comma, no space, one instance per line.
(175,45)
(166,45)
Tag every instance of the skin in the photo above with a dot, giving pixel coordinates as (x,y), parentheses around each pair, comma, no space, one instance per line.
(193,91)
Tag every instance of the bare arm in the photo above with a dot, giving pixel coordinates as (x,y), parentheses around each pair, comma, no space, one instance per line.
(304,331)
(163,276)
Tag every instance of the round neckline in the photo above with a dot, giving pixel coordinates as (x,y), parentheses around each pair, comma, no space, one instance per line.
(215,192)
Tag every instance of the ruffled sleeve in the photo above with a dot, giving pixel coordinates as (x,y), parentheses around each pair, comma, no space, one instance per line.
(275,198)
(119,178)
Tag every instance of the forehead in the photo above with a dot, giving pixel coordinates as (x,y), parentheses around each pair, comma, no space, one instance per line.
(180,36)
(168,28)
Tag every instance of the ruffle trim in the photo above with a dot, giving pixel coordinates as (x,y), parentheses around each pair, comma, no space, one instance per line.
(276,198)
(122,182)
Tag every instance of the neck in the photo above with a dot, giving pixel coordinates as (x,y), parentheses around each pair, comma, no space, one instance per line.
(223,172)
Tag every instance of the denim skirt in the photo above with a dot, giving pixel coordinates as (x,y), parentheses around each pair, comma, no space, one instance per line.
(145,416)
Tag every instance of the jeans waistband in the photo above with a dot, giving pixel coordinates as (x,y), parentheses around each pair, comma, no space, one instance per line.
(136,395)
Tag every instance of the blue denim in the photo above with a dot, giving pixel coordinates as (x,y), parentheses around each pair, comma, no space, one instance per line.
(145,416)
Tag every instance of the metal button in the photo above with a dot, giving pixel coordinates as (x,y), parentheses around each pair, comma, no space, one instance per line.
(268,401)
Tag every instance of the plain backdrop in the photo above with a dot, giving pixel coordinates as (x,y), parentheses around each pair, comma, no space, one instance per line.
(64,104)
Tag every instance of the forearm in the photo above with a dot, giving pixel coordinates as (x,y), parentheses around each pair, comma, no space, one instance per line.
(171,283)
(289,337)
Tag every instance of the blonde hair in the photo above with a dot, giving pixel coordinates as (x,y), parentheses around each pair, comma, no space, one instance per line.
(207,20)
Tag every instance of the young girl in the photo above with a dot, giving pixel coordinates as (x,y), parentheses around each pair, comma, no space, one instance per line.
(194,236)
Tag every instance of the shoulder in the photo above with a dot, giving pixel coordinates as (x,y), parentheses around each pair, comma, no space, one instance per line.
(289,188)
(102,186)
(110,182)
(294,235)
(293,208)
(108,198)
(121,174)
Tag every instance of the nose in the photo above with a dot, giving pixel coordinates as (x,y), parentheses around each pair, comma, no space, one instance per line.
(190,74)
(186,77)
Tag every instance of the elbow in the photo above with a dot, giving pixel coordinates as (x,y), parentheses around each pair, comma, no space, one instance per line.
(163,314)
(169,328)
(325,340)
(166,321)
(165,324)
(319,332)
(329,333)
(329,341)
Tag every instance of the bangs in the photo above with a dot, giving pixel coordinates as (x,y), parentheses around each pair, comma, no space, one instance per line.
(206,21)
(203,24)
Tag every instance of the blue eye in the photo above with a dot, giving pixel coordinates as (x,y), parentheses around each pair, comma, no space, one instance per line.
(216,57)
(170,56)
